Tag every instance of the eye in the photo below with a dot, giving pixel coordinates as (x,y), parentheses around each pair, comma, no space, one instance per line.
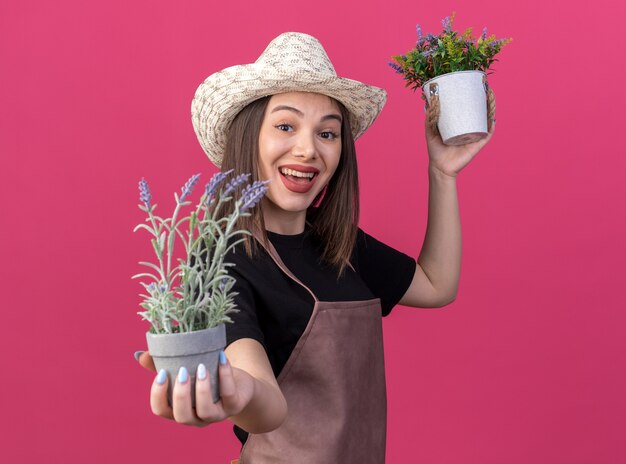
(284,127)
(329,135)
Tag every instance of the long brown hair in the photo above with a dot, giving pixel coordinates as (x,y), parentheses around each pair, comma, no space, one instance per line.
(335,220)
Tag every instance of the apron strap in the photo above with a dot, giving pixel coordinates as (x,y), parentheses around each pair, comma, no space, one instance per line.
(271,250)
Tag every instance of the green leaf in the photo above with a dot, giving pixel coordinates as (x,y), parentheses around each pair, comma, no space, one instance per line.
(146,227)
(153,267)
(162,243)
(155,245)
(145,274)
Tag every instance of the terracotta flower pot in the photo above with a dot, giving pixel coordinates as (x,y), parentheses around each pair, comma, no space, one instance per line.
(172,351)
(462,105)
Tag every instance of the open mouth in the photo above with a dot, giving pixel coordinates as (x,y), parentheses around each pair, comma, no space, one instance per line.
(299,179)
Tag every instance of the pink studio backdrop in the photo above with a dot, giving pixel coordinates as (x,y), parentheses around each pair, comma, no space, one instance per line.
(526,366)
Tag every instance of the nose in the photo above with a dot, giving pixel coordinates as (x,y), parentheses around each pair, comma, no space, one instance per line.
(304,146)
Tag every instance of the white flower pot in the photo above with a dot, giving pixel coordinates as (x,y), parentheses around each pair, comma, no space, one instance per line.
(171,351)
(462,105)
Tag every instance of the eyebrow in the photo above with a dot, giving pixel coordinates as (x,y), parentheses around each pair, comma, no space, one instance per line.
(301,114)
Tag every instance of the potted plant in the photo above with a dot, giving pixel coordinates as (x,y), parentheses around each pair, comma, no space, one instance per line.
(187,304)
(451,70)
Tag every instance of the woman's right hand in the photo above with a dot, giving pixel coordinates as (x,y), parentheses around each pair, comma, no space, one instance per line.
(236,391)
(250,395)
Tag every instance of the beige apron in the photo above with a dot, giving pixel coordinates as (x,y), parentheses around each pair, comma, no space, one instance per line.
(334,384)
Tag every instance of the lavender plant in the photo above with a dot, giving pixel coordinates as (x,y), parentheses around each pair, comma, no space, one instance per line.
(448,52)
(197,293)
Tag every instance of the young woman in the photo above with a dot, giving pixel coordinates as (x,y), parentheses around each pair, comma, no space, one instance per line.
(302,377)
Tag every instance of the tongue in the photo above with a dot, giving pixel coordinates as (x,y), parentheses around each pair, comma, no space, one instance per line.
(298,180)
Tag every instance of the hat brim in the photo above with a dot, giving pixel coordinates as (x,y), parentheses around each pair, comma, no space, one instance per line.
(224,94)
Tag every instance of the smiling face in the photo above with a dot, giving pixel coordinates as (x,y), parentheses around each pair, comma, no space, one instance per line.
(299,150)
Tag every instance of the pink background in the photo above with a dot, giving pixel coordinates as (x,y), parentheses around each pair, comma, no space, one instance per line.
(526,366)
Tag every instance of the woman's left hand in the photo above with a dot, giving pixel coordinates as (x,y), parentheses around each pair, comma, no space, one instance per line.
(450,160)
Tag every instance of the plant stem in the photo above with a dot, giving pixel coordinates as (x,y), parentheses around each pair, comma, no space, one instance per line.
(171,240)
(158,233)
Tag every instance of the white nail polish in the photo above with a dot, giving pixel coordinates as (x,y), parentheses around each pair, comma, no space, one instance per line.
(183,375)
(201,374)
(161,377)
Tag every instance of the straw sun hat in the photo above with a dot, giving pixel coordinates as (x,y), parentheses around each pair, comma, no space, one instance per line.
(292,62)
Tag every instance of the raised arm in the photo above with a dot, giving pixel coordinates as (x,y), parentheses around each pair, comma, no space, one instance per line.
(438,270)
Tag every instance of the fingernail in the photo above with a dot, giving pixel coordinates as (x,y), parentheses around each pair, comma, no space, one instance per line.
(137,355)
(201,374)
(161,377)
(183,375)
(223,359)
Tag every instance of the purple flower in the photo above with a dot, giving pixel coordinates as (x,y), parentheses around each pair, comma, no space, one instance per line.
(214,183)
(234,183)
(494,45)
(447,24)
(222,284)
(188,187)
(253,193)
(432,38)
(396,67)
(418,29)
(152,287)
(484,36)
(144,192)
(428,52)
